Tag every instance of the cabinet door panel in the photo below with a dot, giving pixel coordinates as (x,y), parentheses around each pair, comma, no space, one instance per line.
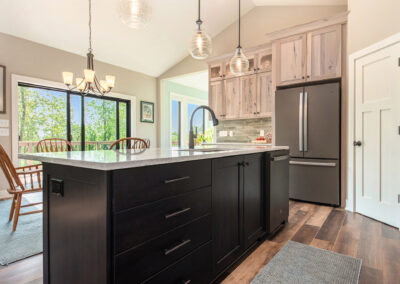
(232,97)
(291,59)
(324,53)
(264,94)
(227,212)
(217,98)
(253,199)
(248,95)
(216,72)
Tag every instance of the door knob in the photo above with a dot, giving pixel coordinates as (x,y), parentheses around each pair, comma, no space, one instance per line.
(357,143)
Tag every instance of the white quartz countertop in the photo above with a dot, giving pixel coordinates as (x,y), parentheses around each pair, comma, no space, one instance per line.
(234,144)
(122,159)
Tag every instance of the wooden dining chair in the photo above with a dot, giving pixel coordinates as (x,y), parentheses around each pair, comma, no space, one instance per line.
(21,180)
(53,145)
(130,143)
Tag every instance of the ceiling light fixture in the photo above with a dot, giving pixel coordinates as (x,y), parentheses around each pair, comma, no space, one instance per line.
(200,46)
(135,13)
(239,62)
(89,84)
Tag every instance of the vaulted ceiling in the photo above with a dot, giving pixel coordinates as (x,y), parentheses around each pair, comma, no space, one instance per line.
(152,50)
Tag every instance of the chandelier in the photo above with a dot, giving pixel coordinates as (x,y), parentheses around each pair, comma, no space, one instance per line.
(89,83)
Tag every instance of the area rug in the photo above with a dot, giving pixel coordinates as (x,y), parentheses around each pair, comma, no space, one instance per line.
(299,263)
(27,239)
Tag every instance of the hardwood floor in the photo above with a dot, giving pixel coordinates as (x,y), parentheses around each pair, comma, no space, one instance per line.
(377,244)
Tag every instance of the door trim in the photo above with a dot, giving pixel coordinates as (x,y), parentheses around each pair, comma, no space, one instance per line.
(351,112)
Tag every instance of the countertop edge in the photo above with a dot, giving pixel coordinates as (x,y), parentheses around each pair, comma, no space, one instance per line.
(148,162)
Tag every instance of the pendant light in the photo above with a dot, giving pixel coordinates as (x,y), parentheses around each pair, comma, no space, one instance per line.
(135,13)
(89,82)
(239,62)
(200,46)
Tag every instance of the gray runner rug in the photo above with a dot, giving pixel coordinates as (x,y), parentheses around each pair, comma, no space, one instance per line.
(299,263)
(27,239)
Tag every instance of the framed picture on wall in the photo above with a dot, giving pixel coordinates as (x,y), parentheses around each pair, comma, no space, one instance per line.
(2,89)
(146,112)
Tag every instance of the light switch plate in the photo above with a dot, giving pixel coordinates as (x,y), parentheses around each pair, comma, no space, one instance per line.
(223,133)
(231,133)
(4,132)
(4,122)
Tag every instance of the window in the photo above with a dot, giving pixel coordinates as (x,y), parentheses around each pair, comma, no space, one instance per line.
(182,108)
(88,122)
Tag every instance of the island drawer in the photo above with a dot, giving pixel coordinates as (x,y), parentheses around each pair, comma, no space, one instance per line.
(137,225)
(194,269)
(137,186)
(138,264)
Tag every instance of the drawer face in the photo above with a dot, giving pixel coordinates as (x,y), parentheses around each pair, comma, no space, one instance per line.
(138,264)
(194,269)
(136,186)
(137,225)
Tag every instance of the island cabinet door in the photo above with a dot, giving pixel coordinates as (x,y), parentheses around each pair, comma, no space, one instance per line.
(227,211)
(253,199)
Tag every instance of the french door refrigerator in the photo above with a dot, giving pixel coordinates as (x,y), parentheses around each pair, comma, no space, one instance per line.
(308,121)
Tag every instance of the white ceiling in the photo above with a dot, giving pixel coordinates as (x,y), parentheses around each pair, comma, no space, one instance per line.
(197,80)
(152,50)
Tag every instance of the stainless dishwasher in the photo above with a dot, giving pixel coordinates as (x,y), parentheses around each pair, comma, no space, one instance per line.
(277,190)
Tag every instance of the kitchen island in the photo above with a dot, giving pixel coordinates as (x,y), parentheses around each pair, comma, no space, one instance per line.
(158,215)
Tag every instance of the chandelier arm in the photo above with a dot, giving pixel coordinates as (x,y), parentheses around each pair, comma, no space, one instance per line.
(98,86)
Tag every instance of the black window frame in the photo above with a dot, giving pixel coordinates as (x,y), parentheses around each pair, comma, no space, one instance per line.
(68,110)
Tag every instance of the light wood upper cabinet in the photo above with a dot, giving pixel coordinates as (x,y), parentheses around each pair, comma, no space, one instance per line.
(324,54)
(248,96)
(264,94)
(232,98)
(264,61)
(291,59)
(217,98)
(216,71)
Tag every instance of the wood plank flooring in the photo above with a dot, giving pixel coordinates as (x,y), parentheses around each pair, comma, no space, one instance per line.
(320,226)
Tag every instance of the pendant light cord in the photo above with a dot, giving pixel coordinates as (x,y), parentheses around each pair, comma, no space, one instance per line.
(199,21)
(90,26)
(239,27)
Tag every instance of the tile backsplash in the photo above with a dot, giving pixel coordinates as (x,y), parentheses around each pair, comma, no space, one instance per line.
(243,130)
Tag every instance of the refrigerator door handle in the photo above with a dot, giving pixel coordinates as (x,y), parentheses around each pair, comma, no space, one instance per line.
(301,146)
(316,164)
(305,123)
(280,158)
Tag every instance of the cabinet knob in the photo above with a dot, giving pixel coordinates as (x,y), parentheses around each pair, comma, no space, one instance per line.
(308,76)
(302,77)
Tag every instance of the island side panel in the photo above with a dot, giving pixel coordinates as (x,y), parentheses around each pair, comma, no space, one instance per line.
(76,225)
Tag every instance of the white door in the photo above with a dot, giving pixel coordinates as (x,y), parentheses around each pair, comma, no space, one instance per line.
(376,127)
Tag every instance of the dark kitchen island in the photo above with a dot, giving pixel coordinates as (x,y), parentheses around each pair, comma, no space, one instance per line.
(159,215)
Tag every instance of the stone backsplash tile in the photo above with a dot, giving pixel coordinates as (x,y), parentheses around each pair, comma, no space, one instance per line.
(244,130)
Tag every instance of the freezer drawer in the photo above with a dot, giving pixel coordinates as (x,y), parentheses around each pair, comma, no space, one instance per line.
(314,180)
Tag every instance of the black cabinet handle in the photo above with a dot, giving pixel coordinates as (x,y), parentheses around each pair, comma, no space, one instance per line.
(177,213)
(247,164)
(176,179)
(241,164)
(178,246)
(357,143)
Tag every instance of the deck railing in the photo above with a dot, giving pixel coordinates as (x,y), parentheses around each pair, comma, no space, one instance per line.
(30,146)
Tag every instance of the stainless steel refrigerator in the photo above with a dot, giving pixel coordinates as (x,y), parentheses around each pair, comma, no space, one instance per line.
(308,121)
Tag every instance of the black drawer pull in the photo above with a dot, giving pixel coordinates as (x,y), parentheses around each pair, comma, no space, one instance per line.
(176,179)
(176,213)
(170,250)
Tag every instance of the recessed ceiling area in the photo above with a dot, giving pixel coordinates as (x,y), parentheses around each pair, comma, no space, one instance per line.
(198,80)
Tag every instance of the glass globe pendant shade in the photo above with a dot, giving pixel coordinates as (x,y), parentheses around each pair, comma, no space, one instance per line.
(239,63)
(200,46)
(135,13)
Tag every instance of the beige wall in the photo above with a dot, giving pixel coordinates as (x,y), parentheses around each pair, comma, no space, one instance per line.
(27,58)
(255,25)
(371,21)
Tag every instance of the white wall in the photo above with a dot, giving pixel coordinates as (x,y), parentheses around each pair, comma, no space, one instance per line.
(371,21)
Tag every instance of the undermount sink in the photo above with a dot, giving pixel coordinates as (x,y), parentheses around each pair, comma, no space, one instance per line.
(203,150)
